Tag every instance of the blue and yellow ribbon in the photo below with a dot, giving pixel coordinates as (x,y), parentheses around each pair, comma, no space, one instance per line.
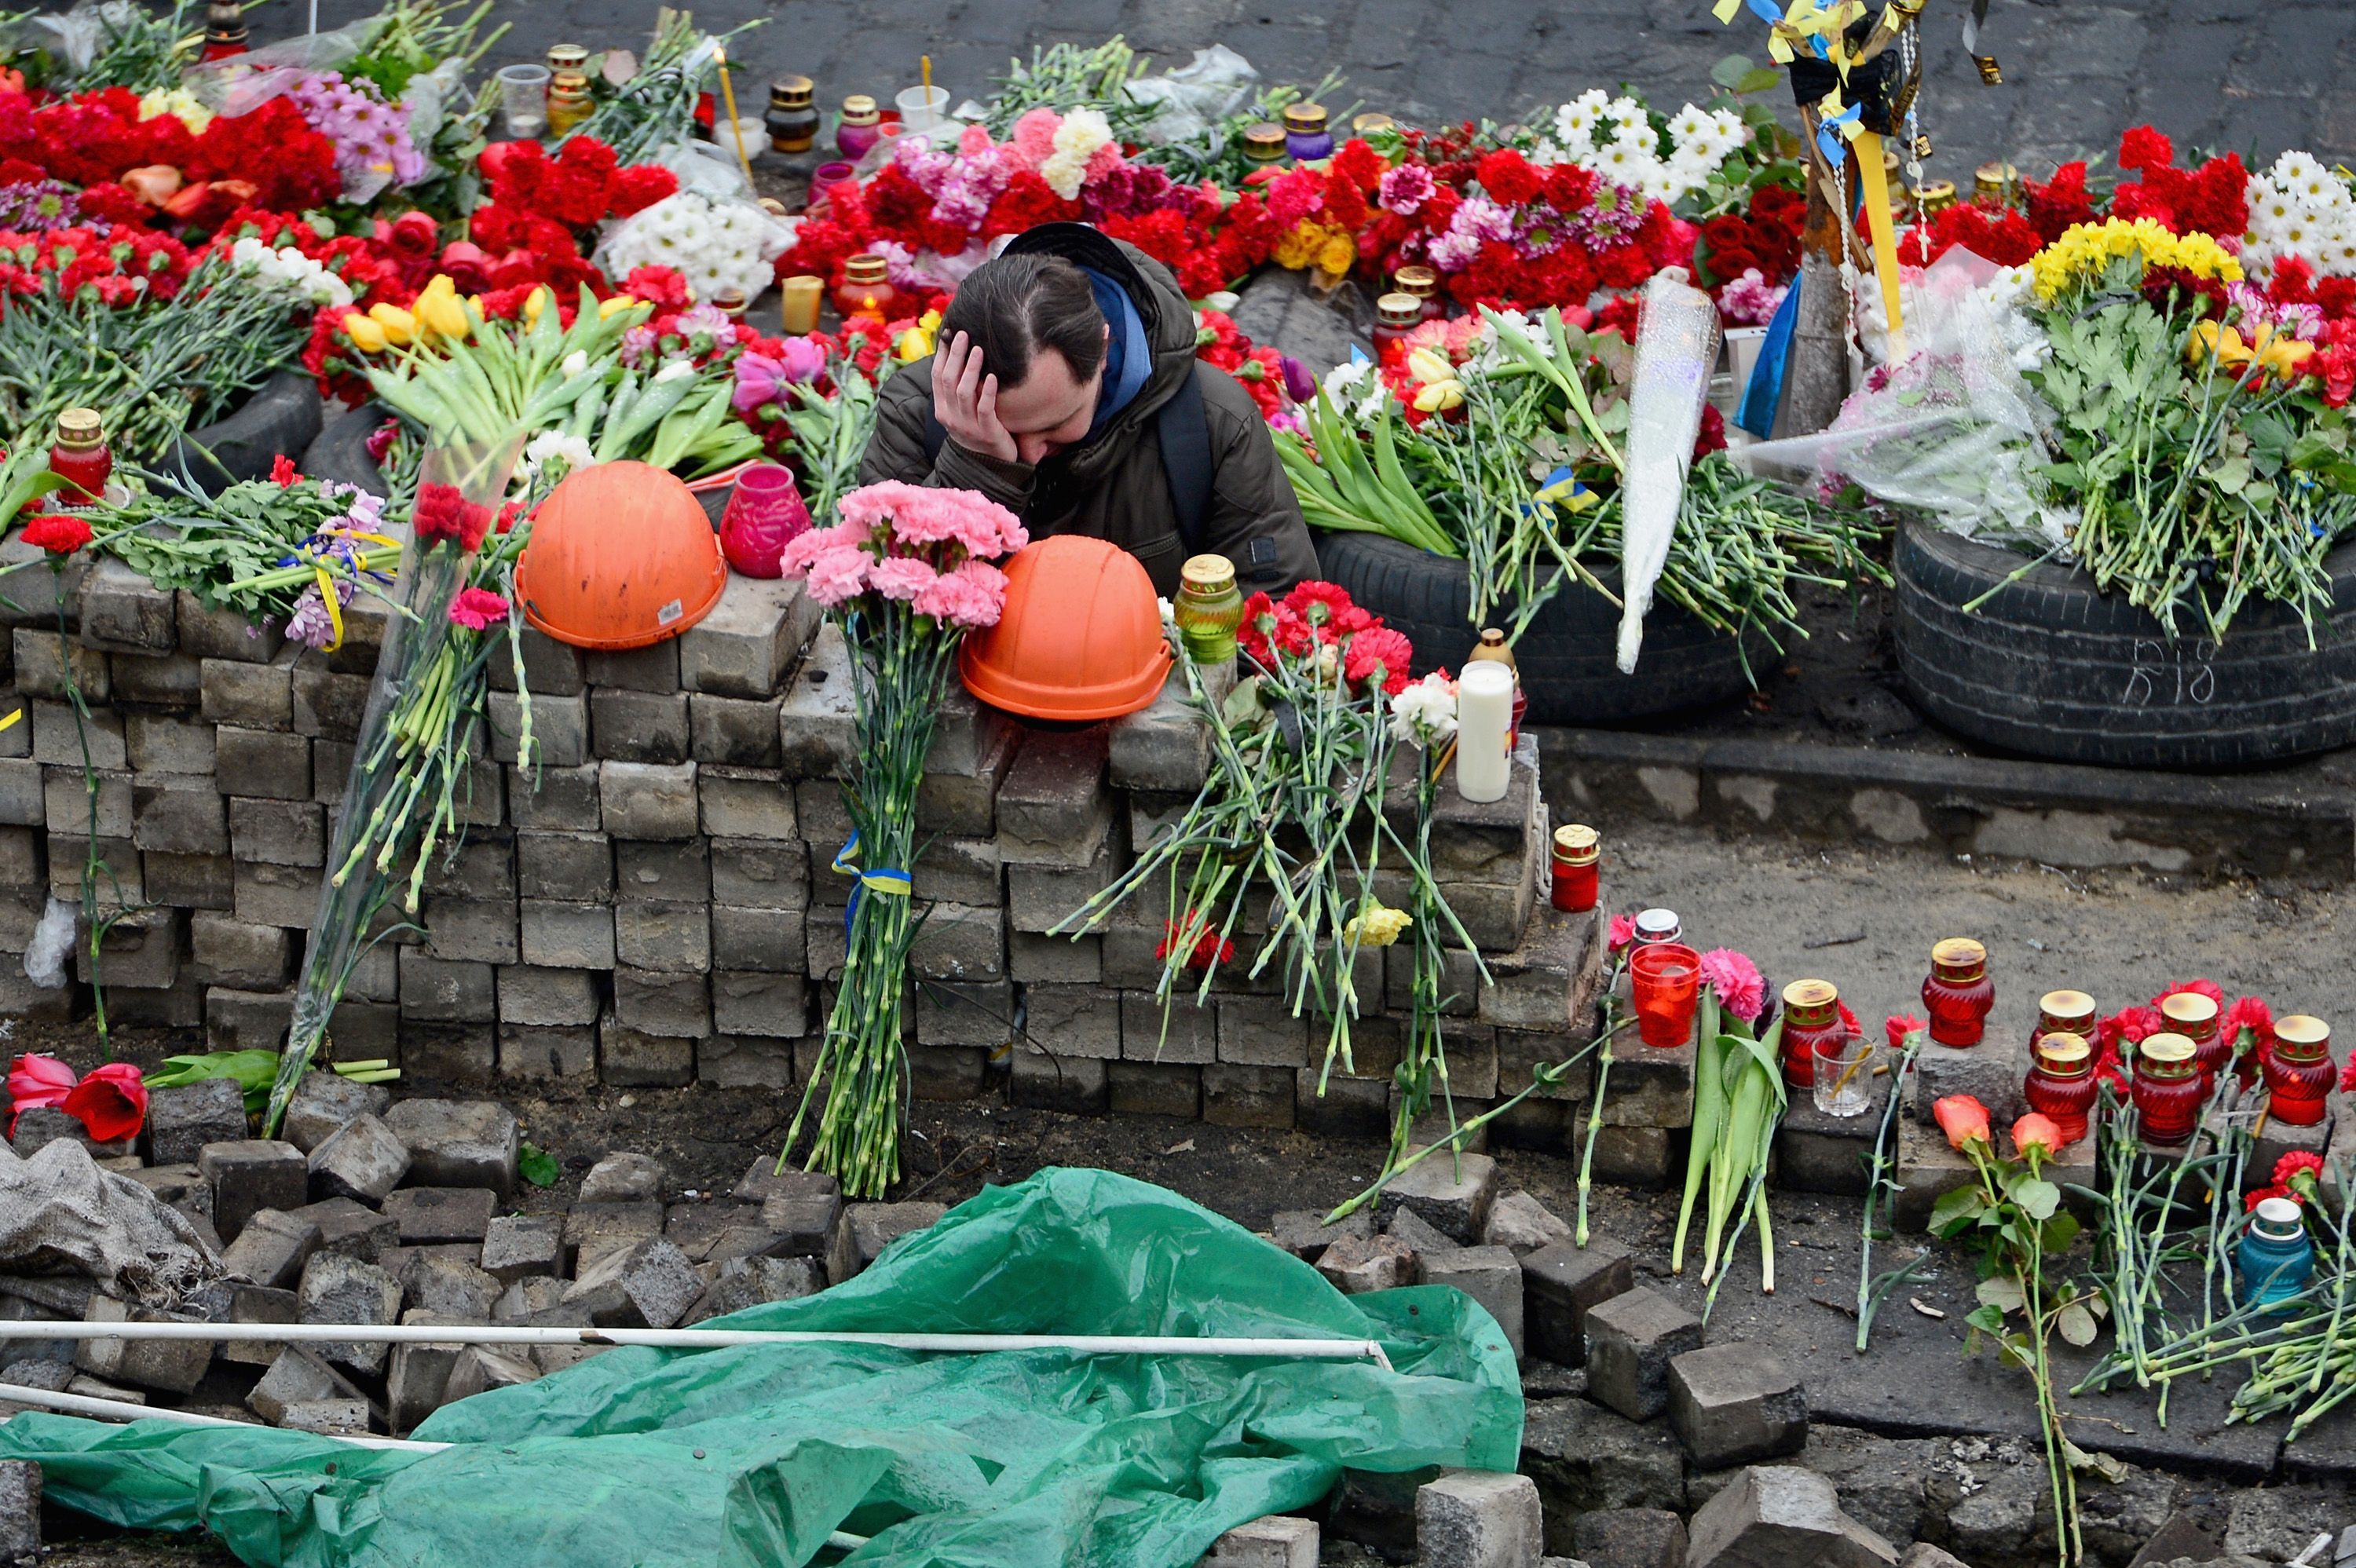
(887,881)
(338,547)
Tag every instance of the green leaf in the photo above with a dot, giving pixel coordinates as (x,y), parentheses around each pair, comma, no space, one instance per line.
(1242,707)
(1987,1319)
(2038,1198)
(537,1166)
(2056,1234)
(1758,80)
(1727,72)
(2076,1324)
(1955,1208)
(2001,1294)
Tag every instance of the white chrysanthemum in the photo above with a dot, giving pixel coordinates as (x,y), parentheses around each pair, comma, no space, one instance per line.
(1689,125)
(1576,121)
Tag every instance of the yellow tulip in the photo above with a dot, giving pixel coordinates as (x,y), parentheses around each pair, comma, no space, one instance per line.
(616,306)
(399,325)
(534,303)
(442,314)
(915,344)
(366,334)
(2269,350)
(1439,397)
(1429,365)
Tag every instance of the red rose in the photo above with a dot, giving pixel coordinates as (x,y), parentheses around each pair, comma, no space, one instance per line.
(413,234)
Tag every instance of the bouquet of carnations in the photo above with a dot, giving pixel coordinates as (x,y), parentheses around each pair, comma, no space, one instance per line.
(905,573)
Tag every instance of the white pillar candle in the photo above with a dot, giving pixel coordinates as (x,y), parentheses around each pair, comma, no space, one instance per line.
(1484,724)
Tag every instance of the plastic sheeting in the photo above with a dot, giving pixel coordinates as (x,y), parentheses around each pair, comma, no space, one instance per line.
(753,1455)
(1676,345)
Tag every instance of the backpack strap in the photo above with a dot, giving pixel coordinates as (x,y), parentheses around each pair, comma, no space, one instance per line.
(1184,431)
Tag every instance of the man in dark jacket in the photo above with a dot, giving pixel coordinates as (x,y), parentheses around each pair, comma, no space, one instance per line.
(1063,368)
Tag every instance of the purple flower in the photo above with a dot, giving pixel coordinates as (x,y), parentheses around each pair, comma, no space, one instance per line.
(310,623)
(1299,384)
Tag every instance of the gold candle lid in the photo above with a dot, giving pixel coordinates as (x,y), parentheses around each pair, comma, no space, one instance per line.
(1934,196)
(2301,1029)
(2166,1047)
(1264,142)
(80,427)
(570,82)
(1493,646)
(867,267)
(1959,953)
(1371,121)
(2189,1008)
(2066,1004)
(1575,844)
(1811,994)
(1207,571)
(2064,1049)
(860,109)
(1420,282)
(1995,178)
(567,57)
(791,92)
(1398,310)
(1307,118)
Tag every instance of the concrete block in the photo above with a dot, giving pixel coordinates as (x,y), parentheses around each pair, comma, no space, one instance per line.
(141,950)
(249,1175)
(1630,1341)
(20,1511)
(1453,1193)
(1560,1284)
(1355,1265)
(1163,747)
(1991,1072)
(532,1052)
(747,803)
(574,867)
(1075,1084)
(417,1379)
(744,1062)
(1304,1234)
(556,799)
(1075,1020)
(734,731)
(67,806)
(648,800)
(1235,1095)
(327,704)
(207,632)
(531,996)
(759,874)
(868,1229)
(1279,1540)
(1180,1032)
(649,1284)
(745,645)
(1263,1031)
(350,1229)
(431,1214)
(277,832)
(231,952)
(444,1280)
(1477,1519)
(670,938)
(560,729)
(457,1143)
(453,1052)
(1522,1223)
(480,1369)
(564,935)
(299,1376)
(1490,1276)
(440,990)
(191,881)
(1781,1514)
(633,1058)
(518,1246)
(58,740)
(181,816)
(654,667)
(549,665)
(1818,1152)
(760,1005)
(249,695)
(1550,980)
(324,1103)
(640,726)
(362,1159)
(246,1020)
(169,1366)
(1053,806)
(741,1283)
(1056,960)
(966,803)
(1735,1403)
(181,1121)
(670,1004)
(1630,1538)
(23,800)
(272,1248)
(41,669)
(472,930)
(1155,1089)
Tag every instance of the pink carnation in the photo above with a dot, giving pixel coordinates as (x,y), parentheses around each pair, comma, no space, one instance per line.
(919,514)
(805,547)
(973,141)
(972,595)
(1035,136)
(837,575)
(1405,190)
(901,577)
(1736,979)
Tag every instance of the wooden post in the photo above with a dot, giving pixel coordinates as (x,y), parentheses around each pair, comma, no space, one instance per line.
(1817,379)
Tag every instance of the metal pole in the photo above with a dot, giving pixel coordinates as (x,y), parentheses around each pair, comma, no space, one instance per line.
(701,1339)
(123,1410)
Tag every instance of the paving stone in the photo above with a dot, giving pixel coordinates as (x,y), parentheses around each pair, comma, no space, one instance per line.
(1631,1340)
(1453,1193)
(534,1295)
(350,1229)
(650,800)
(298,1376)
(1923,1554)
(169,1366)
(1490,1276)
(1152,1089)
(182,1120)
(1560,1284)
(1631,1538)
(747,1282)
(624,1178)
(762,1181)
(649,1284)
(258,1304)
(1734,1403)
(1304,1234)
(20,1511)
(1524,1224)
(479,1369)
(417,1376)
(343,1290)
(591,1230)
(1075,1085)
(1235,1095)
(805,1223)
(1279,1540)
(1478,1519)
(450,1287)
(272,1248)
(867,1229)
(518,1246)
(432,1214)
(249,1175)
(457,1143)
(1777,1515)
(1355,1265)
(363,1158)
(1992,1072)
(565,935)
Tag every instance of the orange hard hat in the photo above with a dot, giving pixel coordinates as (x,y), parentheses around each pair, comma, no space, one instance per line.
(621,556)
(1080,638)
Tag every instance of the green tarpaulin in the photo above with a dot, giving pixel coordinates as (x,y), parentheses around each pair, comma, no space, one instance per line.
(752,1455)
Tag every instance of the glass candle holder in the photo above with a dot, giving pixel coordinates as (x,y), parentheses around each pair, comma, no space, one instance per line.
(1844,1075)
(523,101)
(792,119)
(2060,1085)
(857,130)
(1264,143)
(569,103)
(2194,1016)
(799,298)
(866,287)
(81,455)
(2168,1090)
(1209,610)
(2276,1258)
(2063,1012)
(1423,282)
(2298,1069)
(1666,981)
(1811,1018)
(1395,316)
(765,514)
(1958,993)
(1306,137)
(1657,925)
(1573,867)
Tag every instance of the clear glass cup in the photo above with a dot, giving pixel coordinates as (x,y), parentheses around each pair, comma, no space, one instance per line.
(523,101)
(923,109)
(1664,980)
(1844,1082)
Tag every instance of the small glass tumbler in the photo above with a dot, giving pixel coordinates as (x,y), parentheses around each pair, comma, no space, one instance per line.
(523,101)
(765,514)
(1844,1080)
(1664,979)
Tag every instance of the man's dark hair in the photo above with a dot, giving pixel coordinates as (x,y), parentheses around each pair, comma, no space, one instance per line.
(1016,305)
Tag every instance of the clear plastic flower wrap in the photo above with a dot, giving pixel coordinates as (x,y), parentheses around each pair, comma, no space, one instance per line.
(1676,348)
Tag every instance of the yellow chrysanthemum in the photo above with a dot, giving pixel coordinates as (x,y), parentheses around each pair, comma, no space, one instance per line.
(178,102)
(2086,251)
(1338,254)
(1305,244)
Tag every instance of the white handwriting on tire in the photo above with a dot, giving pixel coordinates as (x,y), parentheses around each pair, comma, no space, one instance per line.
(2163,673)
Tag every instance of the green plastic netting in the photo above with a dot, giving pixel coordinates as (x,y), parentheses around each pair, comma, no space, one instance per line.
(752,1455)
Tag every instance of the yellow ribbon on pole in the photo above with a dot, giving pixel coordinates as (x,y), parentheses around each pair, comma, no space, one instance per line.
(1884,228)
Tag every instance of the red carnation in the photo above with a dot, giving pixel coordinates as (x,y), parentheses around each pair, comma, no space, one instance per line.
(60,533)
(641,185)
(1379,652)
(444,512)
(1507,176)
(2144,147)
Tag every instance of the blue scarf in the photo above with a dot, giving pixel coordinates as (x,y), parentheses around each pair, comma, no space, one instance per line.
(1128,360)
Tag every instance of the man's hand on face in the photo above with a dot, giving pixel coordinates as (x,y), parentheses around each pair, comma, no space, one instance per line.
(966,402)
